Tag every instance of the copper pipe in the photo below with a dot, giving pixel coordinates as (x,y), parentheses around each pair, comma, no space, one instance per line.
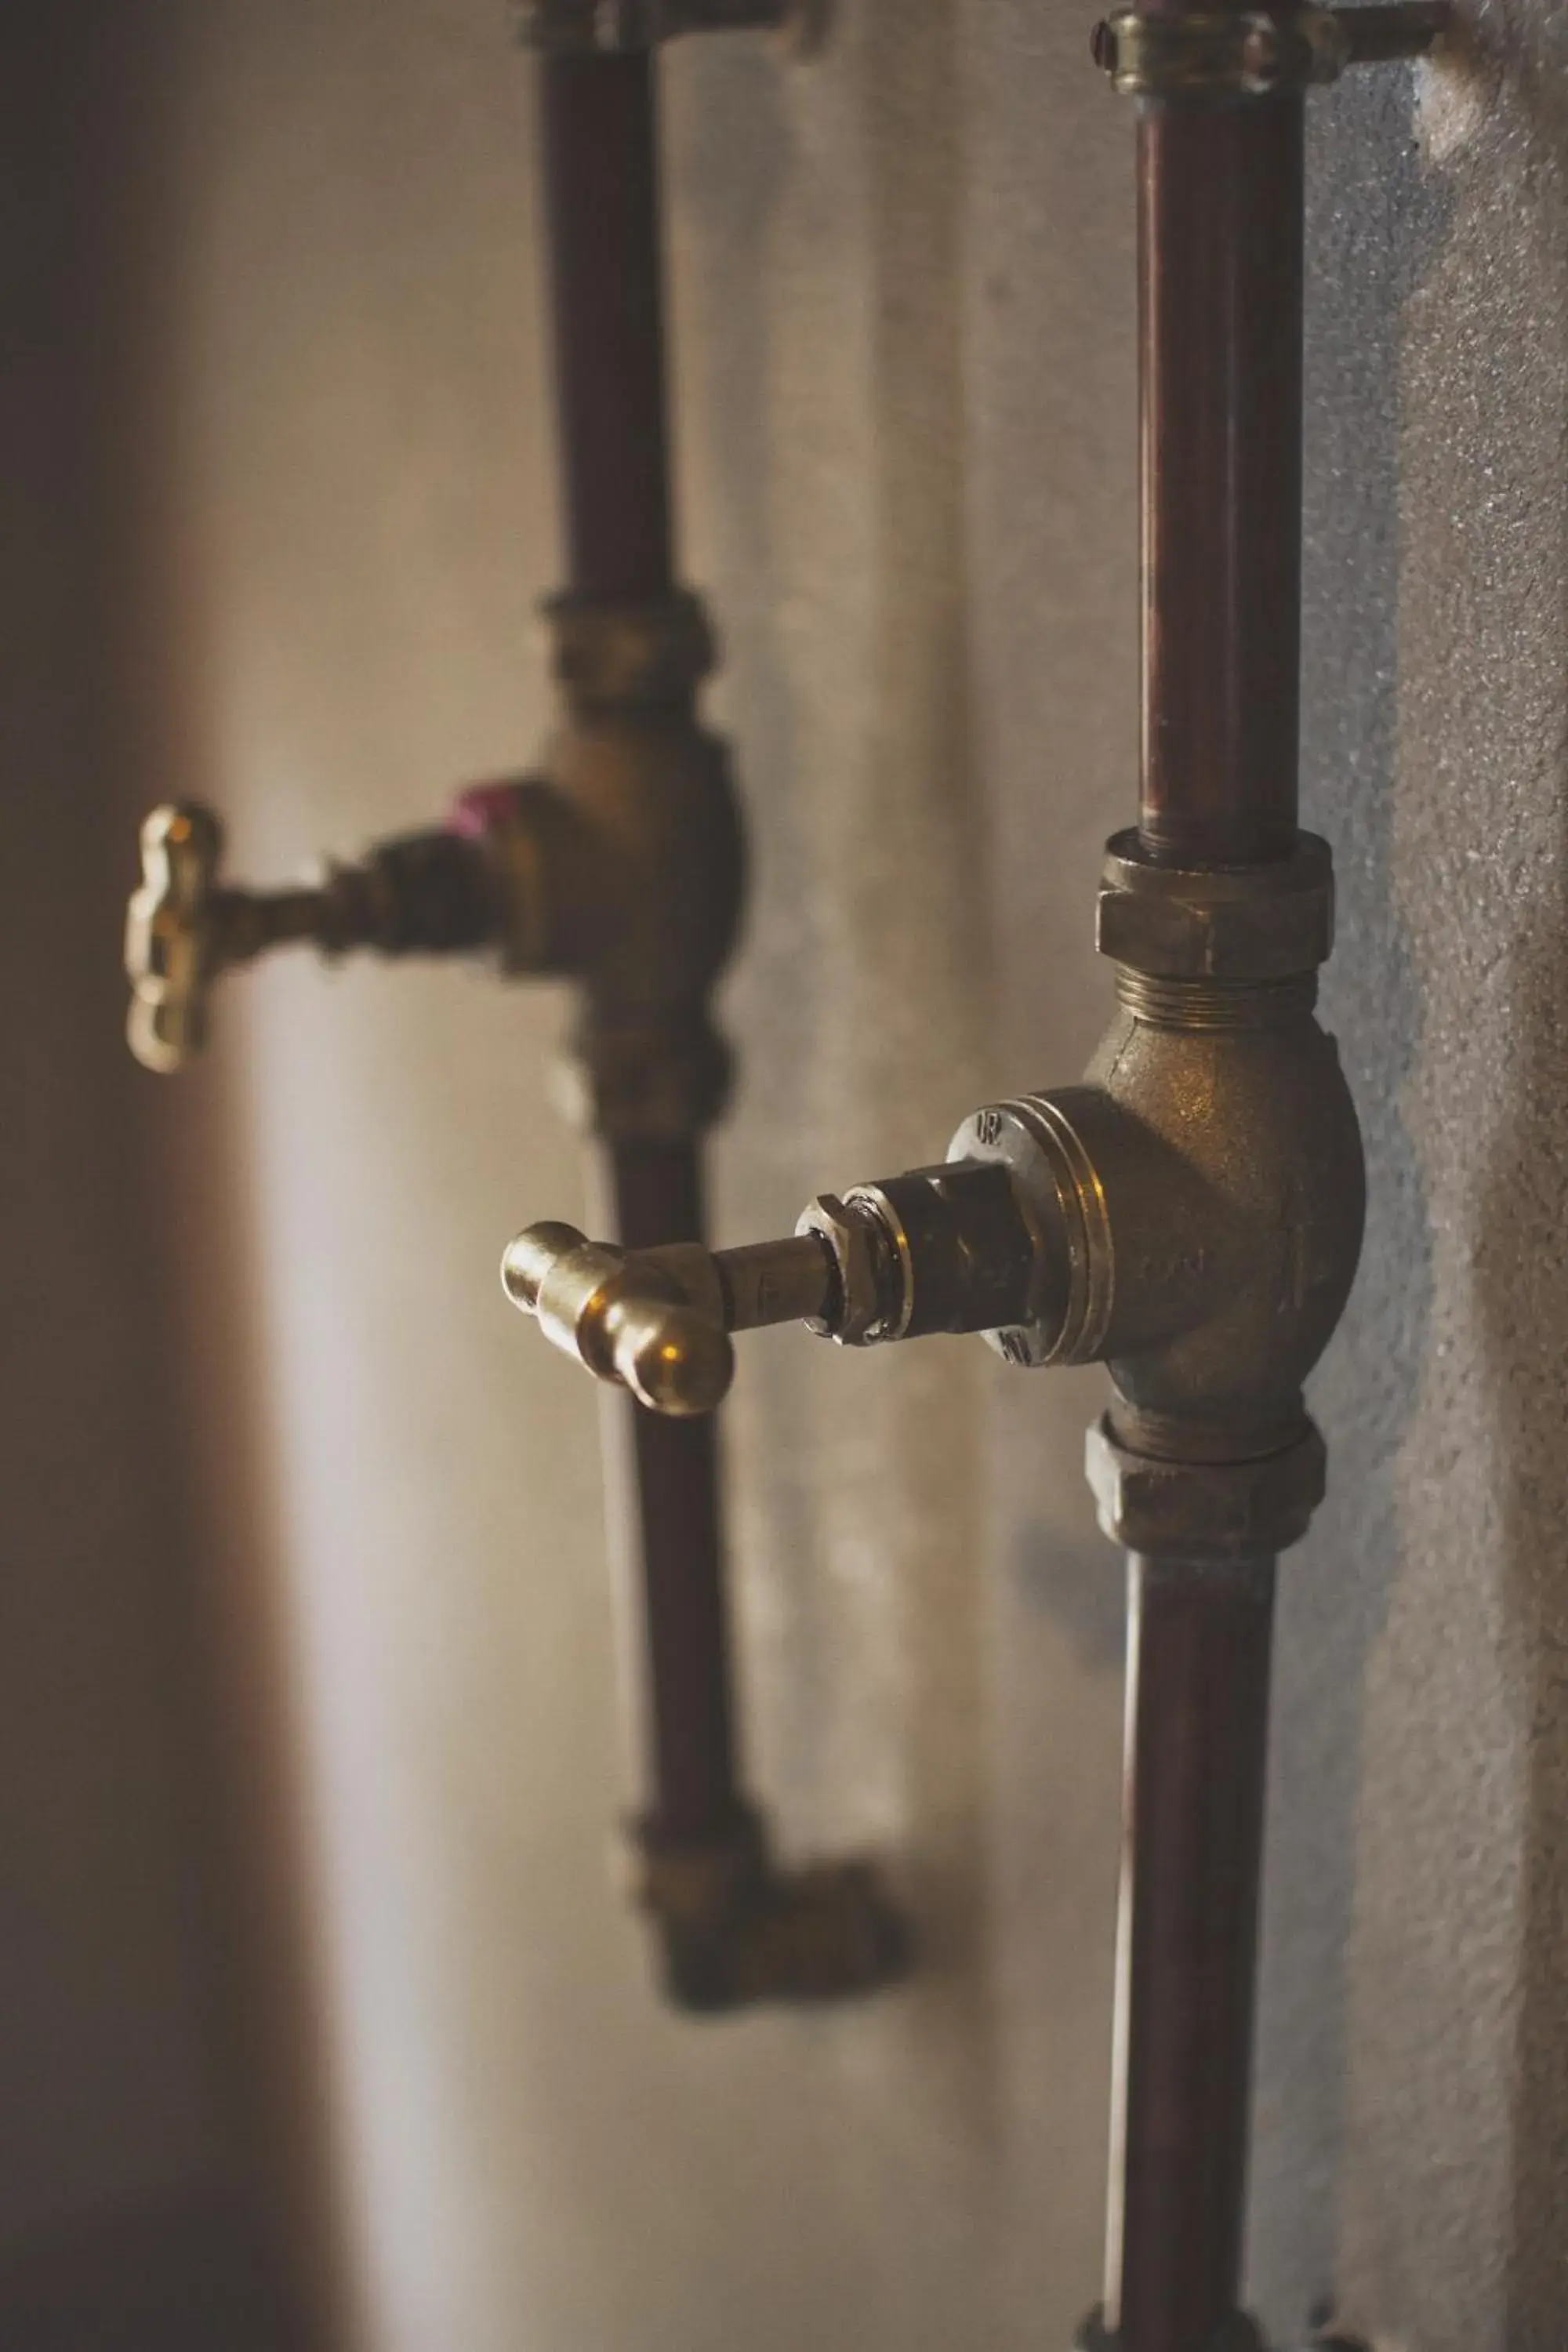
(1221,232)
(602,197)
(600,126)
(1220,267)
(691,1761)
(1197,1721)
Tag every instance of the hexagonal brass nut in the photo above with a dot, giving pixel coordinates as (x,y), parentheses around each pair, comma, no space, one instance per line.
(860,1316)
(1255,922)
(608,654)
(1206,1510)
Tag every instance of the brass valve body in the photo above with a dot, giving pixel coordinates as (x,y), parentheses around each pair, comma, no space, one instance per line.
(1190,1215)
(1197,1200)
(643,879)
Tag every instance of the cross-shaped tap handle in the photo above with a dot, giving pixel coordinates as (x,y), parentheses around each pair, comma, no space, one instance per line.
(449,890)
(658,1321)
(183,927)
(172,935)
(941,1249)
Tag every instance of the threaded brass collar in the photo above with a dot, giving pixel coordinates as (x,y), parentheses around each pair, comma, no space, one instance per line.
(1215,1005)
(1219,923)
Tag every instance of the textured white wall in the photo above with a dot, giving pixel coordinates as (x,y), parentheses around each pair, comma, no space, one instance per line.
(903,298)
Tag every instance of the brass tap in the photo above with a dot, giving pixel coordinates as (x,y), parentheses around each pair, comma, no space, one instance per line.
(435,892)
(658,1321)
(1190,1216)
(648,1320)
(618,864)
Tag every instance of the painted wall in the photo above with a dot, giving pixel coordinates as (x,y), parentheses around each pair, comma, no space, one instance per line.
(903,292)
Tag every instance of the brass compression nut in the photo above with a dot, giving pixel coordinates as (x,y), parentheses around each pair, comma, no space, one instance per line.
(1262,922)
(1206,1510)
(608,654)
(1220,57)
(1221,53)
(869,1297)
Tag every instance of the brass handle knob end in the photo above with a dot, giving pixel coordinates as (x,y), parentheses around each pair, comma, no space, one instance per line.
(169,935)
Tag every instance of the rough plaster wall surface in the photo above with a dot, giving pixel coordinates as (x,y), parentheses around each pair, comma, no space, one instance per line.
(903,298)
(1413,2023)
(1458,2092)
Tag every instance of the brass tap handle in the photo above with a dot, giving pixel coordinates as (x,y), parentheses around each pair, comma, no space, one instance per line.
(472,883)
(183,927)
(171,935)
(944,1249)
(658,1321)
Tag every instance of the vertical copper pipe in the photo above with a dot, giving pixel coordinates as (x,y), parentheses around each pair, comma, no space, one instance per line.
(1220,270)
(1220,205)
(1198,1728)
(657,1197)
(600,126)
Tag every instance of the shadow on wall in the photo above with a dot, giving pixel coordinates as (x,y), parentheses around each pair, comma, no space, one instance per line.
(142,2176)
(734,133)
(189,2280)
(932,984)
(832,489)
(858,986)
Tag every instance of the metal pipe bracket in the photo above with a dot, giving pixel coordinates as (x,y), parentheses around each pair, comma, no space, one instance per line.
(1226,56)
